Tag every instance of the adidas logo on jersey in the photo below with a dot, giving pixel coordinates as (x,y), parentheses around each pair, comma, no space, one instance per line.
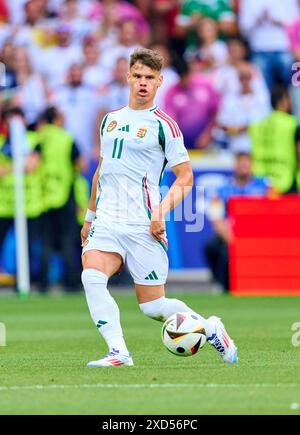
(152,276)
(126,128)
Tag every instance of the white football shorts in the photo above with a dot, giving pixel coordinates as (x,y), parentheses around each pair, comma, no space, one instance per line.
(146,258)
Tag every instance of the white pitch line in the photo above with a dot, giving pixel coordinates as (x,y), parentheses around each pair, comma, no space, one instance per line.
(140,386)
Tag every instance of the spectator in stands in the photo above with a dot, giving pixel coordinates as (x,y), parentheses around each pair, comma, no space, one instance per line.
(275,143)
(264,23)
(106,32)
(169,74)
(240,110)
(72,14)
(294,38)
(162,16)
(33,31)
(113,96)
(243,183)
(226,77)
(128,41)
(210,51)
(9,80)
(55,61)
(194,104)
(95,74)
(61,160)
(30,94)
(16,11)
(4,13)
(80,105)
(111,12)
(34,12)
(32,182)
(219,10)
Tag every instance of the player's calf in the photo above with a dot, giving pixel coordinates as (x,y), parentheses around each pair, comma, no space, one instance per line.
(162,308)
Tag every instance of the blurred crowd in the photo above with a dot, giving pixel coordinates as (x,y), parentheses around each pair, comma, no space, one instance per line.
(231,81)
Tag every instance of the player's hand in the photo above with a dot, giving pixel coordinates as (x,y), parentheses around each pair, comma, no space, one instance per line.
(158,225)
(85,232)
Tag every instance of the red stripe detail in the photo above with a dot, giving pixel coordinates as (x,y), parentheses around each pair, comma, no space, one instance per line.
(226,340)
(166,243)
(172,122)
(172,127)
(115,362)
(168,122)
(148,195)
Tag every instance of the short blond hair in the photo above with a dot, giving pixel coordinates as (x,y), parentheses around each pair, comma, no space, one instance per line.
(147,57)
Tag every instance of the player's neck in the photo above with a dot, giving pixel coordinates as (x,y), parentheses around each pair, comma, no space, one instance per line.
(136,105)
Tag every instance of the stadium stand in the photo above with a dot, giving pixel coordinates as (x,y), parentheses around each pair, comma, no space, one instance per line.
(223,59)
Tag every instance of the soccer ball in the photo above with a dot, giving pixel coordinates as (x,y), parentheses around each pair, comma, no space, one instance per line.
(183,334)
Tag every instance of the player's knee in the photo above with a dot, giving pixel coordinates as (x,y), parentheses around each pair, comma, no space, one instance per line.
(93,277)
(154,309)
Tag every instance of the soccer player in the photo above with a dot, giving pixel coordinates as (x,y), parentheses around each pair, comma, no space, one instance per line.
(125,218)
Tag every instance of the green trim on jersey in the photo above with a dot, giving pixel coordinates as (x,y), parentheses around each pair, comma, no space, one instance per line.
(162,171)
(103,124)
(99,194)
(163,245)
(161,136)
(154,108)
(148,211)
(162,143)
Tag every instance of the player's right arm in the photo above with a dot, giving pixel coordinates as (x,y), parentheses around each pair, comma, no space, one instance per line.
(92,204)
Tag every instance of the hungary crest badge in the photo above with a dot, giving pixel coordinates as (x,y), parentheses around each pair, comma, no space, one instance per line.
(112,125)
(142,132)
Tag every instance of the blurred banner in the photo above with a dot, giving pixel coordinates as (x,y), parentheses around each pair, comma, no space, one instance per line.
(265,250)
(188,239)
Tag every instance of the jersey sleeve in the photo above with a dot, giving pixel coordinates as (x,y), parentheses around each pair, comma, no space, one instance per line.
(102,127)
(175,150)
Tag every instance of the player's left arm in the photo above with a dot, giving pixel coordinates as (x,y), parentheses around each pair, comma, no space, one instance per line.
(178,191)
(92,204)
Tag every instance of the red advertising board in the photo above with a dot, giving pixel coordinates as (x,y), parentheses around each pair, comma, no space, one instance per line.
(264,253)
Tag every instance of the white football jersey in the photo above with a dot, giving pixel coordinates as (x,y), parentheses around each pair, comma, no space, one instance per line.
(136,145)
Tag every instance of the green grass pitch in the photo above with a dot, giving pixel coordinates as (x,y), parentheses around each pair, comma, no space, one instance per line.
(51,338)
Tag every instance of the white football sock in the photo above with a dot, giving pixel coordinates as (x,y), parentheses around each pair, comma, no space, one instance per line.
(104,309)
(162,308)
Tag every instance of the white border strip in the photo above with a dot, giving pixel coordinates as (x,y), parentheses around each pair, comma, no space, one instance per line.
(140,386)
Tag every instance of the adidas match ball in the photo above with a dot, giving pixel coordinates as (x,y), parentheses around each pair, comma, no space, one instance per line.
(183,334)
